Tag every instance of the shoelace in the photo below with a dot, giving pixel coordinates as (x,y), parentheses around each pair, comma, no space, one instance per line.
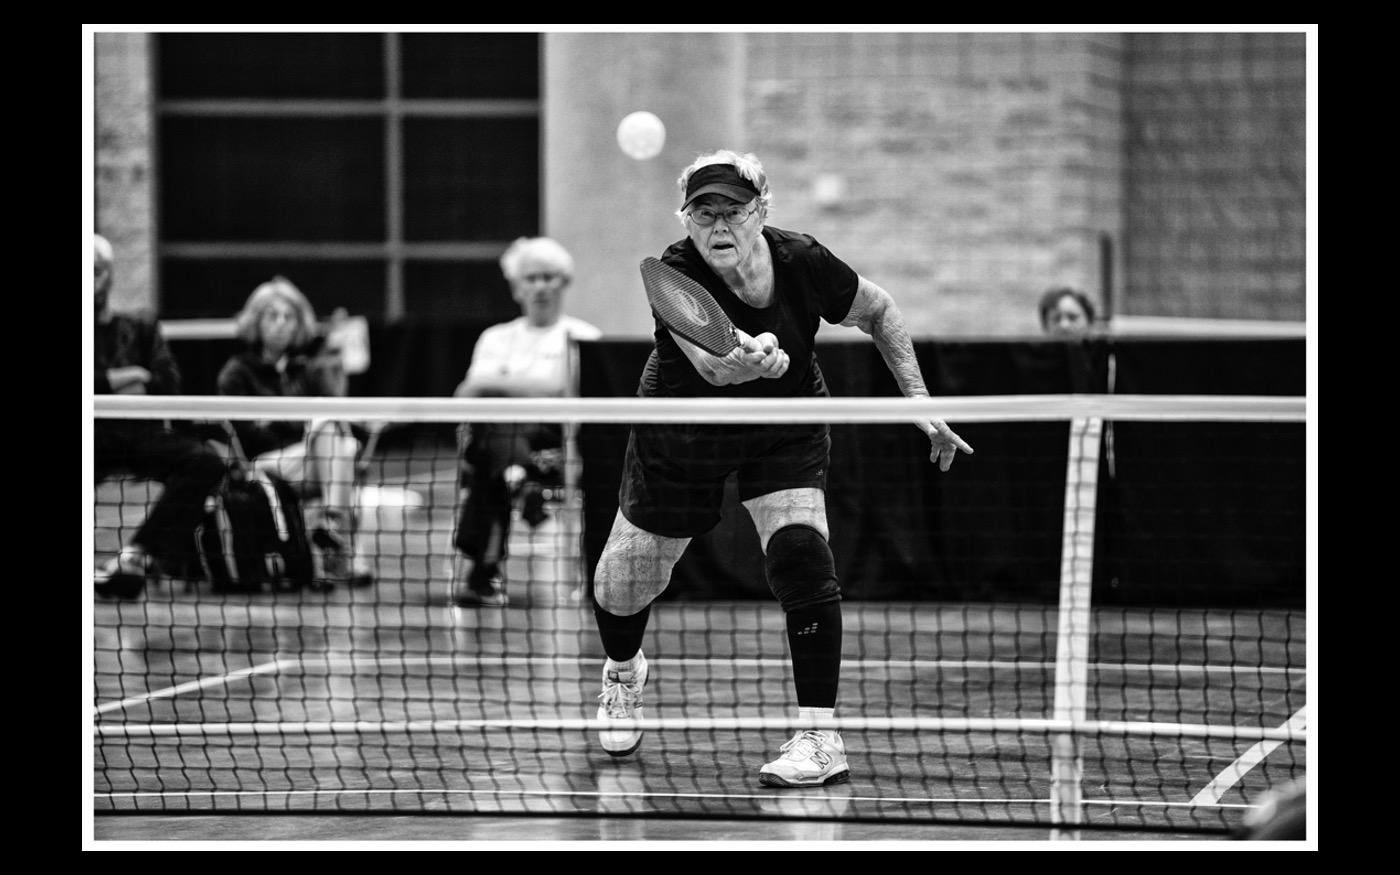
(126,562)
(805,746)
(620,699)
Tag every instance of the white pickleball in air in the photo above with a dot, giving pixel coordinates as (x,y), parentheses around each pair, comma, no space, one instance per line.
(641,135)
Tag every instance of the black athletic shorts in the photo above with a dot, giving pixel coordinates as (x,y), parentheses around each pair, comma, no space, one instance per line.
(673,476)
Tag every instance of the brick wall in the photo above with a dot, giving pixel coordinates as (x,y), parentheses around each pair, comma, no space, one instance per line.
(1215,127)
(124,173)
(970,171)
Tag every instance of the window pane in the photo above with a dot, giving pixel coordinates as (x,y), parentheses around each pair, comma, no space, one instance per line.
(271,65)
(470,65)
(255,179)
(471,179)
(462,291)
(218,288)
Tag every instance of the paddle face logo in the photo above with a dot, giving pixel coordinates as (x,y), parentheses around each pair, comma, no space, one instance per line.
(692,307)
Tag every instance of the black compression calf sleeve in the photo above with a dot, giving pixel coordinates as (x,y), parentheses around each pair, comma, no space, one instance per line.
(814,636)
(802,573)
(622,636)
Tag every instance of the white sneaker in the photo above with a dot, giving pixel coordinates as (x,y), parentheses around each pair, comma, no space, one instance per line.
(124,577)
(621,700)
(361,569)
(811,759)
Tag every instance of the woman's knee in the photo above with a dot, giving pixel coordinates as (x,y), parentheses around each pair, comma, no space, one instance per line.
(331,433)
(616,586)
(335,443)
(634,568)
(795,507)
(346,447)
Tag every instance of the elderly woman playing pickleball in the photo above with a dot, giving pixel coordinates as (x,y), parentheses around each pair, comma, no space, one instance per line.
(774,285)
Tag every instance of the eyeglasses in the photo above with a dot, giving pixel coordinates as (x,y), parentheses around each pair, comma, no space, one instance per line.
(705,216)
(541,277)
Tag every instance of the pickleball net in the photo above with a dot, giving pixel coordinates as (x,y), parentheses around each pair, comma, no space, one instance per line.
(1096,622)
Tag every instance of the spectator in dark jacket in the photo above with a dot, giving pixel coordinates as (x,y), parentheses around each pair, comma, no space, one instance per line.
(132,358)
(286,356)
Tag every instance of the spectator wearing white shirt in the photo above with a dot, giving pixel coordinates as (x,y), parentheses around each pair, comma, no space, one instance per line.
(531,356)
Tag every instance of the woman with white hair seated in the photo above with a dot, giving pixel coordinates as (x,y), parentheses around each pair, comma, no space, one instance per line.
(285,356)
(528,356)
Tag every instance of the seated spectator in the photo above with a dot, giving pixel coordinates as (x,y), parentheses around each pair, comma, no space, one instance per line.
(285,356)
(1066,312)
(528,356)
(132,358)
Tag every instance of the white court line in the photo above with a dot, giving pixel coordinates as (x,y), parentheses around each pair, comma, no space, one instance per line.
(200,684)
(1248,760)
(866,664)
(927,800)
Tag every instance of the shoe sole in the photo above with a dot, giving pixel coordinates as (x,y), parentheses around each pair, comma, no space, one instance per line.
(478,603)
(623,753)
(768,779)
(121,585)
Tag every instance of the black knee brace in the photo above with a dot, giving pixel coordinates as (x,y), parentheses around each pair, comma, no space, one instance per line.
(801,570)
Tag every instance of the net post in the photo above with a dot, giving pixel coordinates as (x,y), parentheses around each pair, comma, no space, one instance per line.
(1073,632)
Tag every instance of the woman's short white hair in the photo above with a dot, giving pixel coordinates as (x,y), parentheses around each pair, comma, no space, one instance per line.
(277,288)
(546,249)
(101,248)
(746,164)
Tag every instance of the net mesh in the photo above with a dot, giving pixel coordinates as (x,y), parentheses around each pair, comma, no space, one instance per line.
(1104,635)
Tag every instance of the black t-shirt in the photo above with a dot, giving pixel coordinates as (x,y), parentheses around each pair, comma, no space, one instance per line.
(809,283)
